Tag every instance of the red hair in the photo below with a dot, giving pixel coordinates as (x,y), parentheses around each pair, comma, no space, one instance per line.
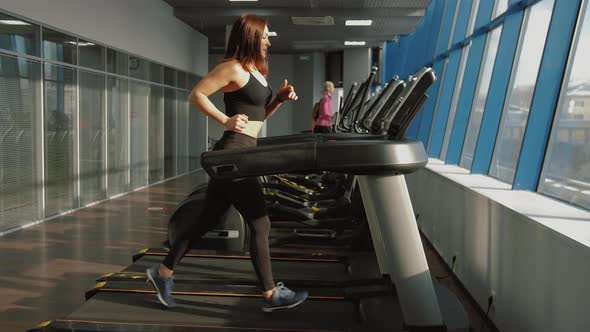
(244,43)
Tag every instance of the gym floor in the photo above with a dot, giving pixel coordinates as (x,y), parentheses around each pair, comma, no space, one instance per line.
(47,268)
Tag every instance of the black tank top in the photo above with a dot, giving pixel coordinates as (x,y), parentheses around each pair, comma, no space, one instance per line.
(251,100)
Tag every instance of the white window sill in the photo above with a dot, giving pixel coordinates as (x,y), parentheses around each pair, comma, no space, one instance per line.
(563,218)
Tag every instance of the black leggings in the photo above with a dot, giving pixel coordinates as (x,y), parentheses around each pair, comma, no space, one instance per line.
(246,196)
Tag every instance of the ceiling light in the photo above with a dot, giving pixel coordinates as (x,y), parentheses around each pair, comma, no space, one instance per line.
(312,20)
(241,0)
(13,22)
(356,23)
(272,34)
(80,43)
(354,43)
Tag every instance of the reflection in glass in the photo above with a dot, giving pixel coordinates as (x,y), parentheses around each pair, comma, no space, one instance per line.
(60,106)
(139,135)
(91,55)
(481,96)
(156,139)
(20,111)
(19,36)
(566,173)
(520,96)
(117,62)
(59,46)
(117,131)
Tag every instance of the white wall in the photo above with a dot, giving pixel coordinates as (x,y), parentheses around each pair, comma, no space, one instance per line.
(357,66)
(146,28)
(539,276)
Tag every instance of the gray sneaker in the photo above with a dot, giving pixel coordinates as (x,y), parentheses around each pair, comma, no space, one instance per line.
(284,298)
(162,285)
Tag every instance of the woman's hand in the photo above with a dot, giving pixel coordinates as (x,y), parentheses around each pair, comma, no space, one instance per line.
(236,123)
(286,92)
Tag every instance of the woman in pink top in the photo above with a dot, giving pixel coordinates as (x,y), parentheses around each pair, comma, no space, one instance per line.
(323,122)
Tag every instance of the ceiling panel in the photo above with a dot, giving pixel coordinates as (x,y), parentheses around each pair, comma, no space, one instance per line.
(391,18)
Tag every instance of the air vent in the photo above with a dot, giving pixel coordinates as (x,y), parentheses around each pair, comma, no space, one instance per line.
(313,20)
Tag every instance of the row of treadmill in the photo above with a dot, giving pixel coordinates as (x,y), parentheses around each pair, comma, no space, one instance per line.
(343,229)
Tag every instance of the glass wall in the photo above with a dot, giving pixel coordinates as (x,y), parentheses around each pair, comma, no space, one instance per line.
(156,134)
(20,124)
(60,131)
(520,94)
(566,173)
(117,136)
(170,132)
(91,123)
(139,133)
(81,122)
(481,96)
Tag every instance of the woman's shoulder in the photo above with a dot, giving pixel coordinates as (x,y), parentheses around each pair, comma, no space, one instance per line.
(230,67)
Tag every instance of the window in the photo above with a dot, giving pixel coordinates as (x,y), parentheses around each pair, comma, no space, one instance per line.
(20,134)
(59,46)
(19,36)
(60,132)
(520,95)
(500,8)
(91,55)
(472,18)
(566,173)
(91,117)
(481,94)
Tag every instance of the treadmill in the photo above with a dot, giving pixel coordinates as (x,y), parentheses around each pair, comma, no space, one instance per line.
(199,265)
(413,306)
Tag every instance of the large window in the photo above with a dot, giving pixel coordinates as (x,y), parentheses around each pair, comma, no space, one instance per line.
(455,101)
(520,94)
(566,173)
(481,96)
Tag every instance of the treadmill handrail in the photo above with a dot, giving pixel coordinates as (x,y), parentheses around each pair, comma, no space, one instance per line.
(380,157)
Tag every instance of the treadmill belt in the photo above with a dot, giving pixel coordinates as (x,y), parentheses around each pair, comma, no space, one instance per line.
(141,312)
(282,270)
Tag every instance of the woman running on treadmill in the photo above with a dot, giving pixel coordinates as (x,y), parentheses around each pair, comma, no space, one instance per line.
(242,76)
